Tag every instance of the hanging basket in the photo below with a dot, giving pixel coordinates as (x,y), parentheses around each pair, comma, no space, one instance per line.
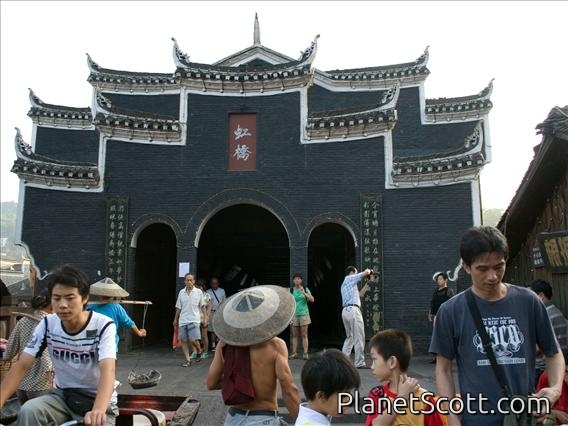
(140,380)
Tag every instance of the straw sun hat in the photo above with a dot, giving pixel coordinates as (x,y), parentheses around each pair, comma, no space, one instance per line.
(107,287)
(254,315)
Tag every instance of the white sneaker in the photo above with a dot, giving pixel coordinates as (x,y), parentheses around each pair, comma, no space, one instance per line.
(205,355)
(193,355)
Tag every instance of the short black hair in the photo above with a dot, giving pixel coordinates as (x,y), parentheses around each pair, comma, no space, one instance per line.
(442,274)
(297,275)
(541,286)
(482,239)
(350,269)
(329,372)
(42,300)
(393,342)
(69,276)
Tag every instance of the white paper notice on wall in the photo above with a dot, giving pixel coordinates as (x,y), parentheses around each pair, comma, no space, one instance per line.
(183,269)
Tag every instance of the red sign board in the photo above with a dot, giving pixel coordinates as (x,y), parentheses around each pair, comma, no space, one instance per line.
(242,142)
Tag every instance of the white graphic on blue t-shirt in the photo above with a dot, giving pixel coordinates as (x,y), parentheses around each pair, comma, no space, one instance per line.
(506,339)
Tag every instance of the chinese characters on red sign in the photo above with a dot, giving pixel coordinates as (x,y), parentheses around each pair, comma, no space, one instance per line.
(242,142)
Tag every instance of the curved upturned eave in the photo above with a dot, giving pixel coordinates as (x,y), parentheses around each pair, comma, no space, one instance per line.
(460,108)
(465,160)
(46,114)
(104,78)
(33,168)
(405,73)
(355,123)
(127,124)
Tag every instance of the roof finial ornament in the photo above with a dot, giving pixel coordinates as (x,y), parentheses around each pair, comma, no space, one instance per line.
(102,100)
(34,99)
(22,147)
(486,93)
(181,59)
(256,30)
(92,64)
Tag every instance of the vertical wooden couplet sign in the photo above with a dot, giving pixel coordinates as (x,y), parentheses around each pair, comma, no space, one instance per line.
(371,257)
(116,239)
(242,142)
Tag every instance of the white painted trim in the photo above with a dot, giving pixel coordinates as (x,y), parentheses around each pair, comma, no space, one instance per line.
(63,188)
(34,135)
(388,160)
(145,92)
(19,226)
(476,202)
(470,176)
(258,55)
(65,127)
(145,141)
(303,115)
(487,140)
(342,139)
(319,81)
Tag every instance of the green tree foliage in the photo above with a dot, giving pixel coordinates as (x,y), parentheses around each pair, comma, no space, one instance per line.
(491,216)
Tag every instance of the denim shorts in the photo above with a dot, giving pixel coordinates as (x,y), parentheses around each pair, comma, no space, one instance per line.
(189,331)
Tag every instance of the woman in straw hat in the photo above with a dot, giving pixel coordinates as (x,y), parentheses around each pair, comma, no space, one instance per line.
(108,291)
(38,380)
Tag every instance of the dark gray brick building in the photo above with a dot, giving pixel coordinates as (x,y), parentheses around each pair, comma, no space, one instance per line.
(251,169)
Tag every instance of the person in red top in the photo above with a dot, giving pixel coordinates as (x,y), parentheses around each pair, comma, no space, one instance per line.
(560,408)
(391,351)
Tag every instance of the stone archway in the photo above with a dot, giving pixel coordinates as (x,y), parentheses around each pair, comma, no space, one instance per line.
(244,245)
(330,250)
(155,280)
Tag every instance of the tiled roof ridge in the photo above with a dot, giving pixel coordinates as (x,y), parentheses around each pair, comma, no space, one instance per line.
(36,102)
(107,108)
(183,62)
(484,95)
(420,62)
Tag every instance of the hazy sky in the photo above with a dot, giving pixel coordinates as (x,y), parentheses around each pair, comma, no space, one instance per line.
(522,45)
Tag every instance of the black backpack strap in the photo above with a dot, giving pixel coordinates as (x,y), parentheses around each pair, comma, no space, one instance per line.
(497,369)
(44,341)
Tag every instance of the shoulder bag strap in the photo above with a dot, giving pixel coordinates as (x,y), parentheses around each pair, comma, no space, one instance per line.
(474,311)
(214,294)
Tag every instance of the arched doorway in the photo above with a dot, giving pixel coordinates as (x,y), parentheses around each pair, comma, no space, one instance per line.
(155,280)
(330,250)
(244,245)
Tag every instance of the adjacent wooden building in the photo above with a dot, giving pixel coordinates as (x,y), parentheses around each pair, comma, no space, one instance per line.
(536,221)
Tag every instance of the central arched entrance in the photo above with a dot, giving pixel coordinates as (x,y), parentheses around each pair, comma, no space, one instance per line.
(244,245)
(331,249)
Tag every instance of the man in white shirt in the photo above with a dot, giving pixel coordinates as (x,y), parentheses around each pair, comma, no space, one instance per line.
(218,296)
(82,346)
(351,314)
(190,302)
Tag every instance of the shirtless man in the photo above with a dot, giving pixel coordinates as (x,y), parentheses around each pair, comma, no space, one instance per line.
(268,358)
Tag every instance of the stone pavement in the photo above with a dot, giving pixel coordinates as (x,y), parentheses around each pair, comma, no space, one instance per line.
(180,381)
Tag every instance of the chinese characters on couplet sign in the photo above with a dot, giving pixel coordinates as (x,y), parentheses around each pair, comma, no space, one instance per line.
(116,246)
(554,247)
(242,142)
(371,257)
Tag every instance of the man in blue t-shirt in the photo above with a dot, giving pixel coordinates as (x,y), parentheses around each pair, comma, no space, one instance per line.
(515,320)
